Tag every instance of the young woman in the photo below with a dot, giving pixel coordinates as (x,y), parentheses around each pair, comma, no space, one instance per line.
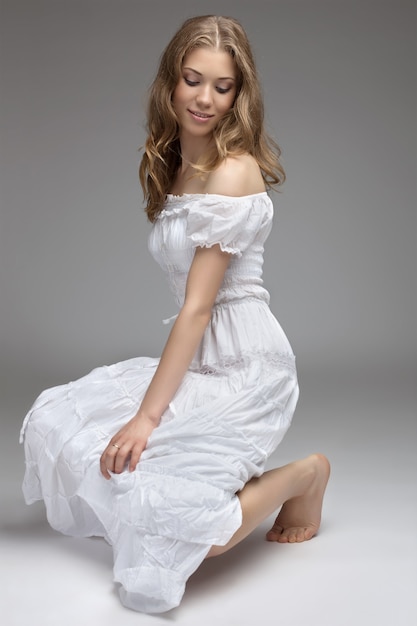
(182,441)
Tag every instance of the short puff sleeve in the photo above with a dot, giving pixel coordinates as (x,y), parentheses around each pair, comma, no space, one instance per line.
(233,223)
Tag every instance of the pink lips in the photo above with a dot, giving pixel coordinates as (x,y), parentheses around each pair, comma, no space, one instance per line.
(200,117)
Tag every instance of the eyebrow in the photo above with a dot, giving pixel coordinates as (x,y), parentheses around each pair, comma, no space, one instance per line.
(200,74)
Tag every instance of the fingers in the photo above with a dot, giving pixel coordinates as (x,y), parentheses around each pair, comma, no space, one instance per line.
(128,443)
(113,459)
(120,459)
(116,455)
(107,460)
(135,456)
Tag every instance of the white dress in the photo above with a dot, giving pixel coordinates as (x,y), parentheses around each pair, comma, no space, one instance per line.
(231,411)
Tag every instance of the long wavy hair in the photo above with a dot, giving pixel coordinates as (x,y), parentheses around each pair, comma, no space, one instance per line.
(241,129)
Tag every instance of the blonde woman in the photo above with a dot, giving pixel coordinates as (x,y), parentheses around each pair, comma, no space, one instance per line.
(165,458)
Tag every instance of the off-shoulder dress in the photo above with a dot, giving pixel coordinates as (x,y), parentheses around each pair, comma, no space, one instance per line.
(232,409)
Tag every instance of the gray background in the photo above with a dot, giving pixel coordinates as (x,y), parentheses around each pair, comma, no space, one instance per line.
(79,289)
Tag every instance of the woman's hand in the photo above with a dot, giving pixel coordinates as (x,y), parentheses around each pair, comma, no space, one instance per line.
(129,441)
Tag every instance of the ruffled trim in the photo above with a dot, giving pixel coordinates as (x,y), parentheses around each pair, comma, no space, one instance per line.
(172,198)
(232,222)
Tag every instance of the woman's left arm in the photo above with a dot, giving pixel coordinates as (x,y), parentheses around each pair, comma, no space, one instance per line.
(204,280)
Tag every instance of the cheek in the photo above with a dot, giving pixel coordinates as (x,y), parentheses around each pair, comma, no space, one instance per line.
(227,103)
(177,96)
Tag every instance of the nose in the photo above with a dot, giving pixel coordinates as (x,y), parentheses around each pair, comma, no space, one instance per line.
(204,96)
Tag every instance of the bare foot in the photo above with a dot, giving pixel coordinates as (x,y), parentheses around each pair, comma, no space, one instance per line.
(299,518)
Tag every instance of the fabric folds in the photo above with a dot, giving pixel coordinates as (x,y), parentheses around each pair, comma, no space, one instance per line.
(229,414)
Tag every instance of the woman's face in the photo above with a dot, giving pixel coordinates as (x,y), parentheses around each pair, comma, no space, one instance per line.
(205,92)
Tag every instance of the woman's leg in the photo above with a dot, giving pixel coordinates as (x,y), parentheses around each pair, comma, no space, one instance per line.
(298,487)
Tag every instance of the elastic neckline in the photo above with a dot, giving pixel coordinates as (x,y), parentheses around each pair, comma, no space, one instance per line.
(173,196)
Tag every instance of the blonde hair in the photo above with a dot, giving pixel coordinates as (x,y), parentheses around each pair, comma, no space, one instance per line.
(241,129)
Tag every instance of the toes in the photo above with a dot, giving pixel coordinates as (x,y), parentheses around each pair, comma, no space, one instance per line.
(309,533)
(288,535)
(275,533)
(295,534)
(300,535)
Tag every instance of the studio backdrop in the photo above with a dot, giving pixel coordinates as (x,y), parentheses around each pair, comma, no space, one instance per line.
(78,286)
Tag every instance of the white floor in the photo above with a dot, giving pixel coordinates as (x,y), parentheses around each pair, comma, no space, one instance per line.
(360,570)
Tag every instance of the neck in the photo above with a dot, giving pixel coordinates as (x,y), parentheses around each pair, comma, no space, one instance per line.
(191,149)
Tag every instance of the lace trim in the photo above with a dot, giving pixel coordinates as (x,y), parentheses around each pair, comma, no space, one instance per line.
(226,364)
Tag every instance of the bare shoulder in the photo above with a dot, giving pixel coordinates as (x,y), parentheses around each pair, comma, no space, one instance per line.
(236,176)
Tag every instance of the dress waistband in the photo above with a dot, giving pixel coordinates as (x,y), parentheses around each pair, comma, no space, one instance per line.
(216,305)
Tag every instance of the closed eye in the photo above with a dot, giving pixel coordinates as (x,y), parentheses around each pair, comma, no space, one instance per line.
(194,83)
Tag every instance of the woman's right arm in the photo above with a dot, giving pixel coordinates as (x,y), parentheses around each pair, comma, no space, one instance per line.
(204,280)
(237,176)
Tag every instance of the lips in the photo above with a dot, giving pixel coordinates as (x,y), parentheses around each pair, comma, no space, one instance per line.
(200,115)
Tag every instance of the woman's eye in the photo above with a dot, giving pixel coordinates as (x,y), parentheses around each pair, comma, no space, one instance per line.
(190,82)
(223,89)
